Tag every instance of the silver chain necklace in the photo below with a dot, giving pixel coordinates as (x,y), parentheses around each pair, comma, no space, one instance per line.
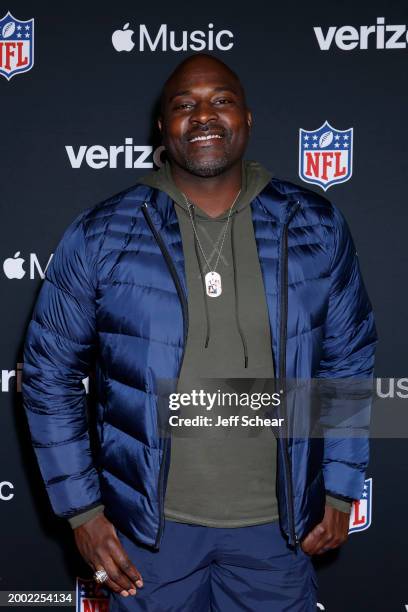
(213,285)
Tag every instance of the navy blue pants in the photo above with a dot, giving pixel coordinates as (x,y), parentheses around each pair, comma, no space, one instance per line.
(205,569)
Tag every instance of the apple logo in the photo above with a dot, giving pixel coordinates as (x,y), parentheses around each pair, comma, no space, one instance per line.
(13,266)
(122,39)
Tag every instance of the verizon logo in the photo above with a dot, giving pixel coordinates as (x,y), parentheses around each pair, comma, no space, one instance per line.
(347,38)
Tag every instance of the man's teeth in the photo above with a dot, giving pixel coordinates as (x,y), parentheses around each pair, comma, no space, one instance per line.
(205,137)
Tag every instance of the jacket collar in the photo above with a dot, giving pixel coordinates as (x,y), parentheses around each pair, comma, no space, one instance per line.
(273,200)
(270,204)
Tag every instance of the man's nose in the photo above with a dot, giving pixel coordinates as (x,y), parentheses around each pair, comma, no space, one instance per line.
(203,112)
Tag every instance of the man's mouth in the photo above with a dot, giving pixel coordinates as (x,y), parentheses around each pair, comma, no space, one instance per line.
(205,138)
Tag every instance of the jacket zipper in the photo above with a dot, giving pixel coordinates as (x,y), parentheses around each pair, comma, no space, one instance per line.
(282,368)
(184,307)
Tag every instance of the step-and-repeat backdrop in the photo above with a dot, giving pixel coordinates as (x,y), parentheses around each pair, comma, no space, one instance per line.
(327,85)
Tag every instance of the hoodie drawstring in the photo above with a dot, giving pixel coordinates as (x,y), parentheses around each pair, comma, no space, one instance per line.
(207,336)
(241,333)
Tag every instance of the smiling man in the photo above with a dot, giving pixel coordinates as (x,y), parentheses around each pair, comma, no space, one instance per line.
(208,268)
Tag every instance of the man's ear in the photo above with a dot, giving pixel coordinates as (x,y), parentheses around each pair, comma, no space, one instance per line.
(160,124)
(249,118)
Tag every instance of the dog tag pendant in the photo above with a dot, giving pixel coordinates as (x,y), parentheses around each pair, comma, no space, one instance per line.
(213,284)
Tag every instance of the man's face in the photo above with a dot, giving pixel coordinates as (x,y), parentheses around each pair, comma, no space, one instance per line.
(205,123)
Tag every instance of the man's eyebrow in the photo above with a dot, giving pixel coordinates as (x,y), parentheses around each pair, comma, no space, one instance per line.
(186,92)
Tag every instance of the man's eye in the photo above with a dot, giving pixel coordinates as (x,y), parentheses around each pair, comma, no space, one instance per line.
(183,105)
(223,100)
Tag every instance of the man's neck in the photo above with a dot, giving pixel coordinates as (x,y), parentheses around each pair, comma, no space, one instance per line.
(213,194)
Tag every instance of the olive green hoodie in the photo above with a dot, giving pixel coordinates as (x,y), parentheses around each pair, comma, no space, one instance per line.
(222,477)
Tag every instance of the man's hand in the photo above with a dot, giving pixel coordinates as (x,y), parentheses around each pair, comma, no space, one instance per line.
(99,545)
(330,533)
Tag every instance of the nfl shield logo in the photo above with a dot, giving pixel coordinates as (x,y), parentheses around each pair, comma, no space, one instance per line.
(90,596)
(325,155)
(360,516)
(16,45)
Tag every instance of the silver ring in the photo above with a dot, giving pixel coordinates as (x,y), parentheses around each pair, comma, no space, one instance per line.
(101,576)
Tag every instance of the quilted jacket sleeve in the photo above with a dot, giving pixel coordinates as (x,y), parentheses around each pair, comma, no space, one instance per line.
(346,368)
(58,351)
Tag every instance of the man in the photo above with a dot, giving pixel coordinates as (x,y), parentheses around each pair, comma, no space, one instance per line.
(207,268)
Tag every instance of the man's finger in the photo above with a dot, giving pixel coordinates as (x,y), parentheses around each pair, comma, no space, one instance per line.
(111,584)
(330,544)
(115,573)
(322,549)
(117,589)
(311,542)
(124,563)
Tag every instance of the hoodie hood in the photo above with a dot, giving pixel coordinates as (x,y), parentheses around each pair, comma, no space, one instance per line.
(254,178)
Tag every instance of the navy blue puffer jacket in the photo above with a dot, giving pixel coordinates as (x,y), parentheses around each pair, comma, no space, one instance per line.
(114,298)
